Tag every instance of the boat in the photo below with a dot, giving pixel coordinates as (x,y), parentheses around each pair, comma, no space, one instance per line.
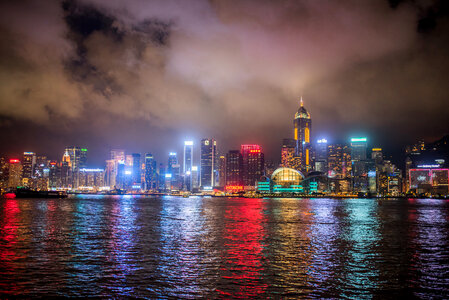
(28,193)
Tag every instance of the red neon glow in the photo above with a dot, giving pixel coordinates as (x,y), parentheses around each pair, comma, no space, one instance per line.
(234,187)
(14,161)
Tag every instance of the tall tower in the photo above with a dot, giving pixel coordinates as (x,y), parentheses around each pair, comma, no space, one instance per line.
(208,163)
(188,160)
(302,130)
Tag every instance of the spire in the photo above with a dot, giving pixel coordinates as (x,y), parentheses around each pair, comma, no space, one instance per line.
(301,102)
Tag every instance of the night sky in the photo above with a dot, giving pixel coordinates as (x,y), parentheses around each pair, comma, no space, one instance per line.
(147,75)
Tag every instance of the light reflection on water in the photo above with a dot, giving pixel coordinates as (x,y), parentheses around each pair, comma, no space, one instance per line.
(224,247)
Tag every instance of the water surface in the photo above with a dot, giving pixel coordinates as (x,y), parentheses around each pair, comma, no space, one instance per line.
(195,247)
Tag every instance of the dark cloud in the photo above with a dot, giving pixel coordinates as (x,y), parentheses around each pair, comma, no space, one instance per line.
(144,75)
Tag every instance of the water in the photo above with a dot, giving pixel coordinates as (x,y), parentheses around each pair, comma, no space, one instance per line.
(170,247)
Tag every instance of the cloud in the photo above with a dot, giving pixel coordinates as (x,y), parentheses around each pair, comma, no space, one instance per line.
(225,69)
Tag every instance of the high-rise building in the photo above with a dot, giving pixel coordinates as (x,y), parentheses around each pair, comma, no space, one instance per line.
(302,132)
(195,178)
(174,169)
(136,168)
(359,164)
(54,175)
(252,163)
(188,161)
(15,173)
(222,171)
(339,161)
(321,156)
(117,157)
(4,173)
(150,172)
(78,159)
(288,151)
(234,168)
(28,165)
(208,163)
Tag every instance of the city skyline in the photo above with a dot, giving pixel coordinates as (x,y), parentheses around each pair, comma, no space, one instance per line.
(236,78)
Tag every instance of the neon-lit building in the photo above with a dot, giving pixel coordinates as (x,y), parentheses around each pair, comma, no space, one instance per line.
(359,164)
(339,161)
(91,179)
(252,164)
(288,152)
(222,171)
(234,168)
(283,180)
(208,163)
(136,169)
(15,173)
(28,164)
(321,156)
(188,162)
(150,172)
(302,134)
(429,179)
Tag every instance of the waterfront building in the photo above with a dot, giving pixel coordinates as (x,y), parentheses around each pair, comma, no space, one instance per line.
(4,171)
(283,180)
(234,168)
(188,162)
(54,175)
(78,159)
(253,164)
(359,164)
(222,171)
(136,171)
(208,163)
(195,178)
(302,134)
(288,152)
(15,173)
(150,172)
(28,165)
(321,156)
(91,179)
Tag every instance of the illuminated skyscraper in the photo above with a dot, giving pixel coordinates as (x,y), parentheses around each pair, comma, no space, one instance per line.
(136,174)
(234,168)
(195,178)
(78,159)
(117,157)
(15,173)
(174,169)
(188,160)
(208,162)
(222,171)
(359,164)
(150,172)
(288,152)
(302,133)
(28,164)
(253,164)
(321,156)
(339,161)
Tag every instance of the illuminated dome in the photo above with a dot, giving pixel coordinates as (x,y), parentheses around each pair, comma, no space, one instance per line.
(287,176)
(302,112)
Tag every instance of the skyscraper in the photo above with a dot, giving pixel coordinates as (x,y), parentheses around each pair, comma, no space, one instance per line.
(136,174)
(359,164)
(208,162)
(117,156)
(150,172)
(288,152)
(188,160)
(321,156)
(252,163)
(28,165)
(302,132)
(78,158)
(234,168)
(15,173)
(222,171)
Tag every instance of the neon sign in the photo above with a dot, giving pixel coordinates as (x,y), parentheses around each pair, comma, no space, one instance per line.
(234,188)
(362,139)
(13,161)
